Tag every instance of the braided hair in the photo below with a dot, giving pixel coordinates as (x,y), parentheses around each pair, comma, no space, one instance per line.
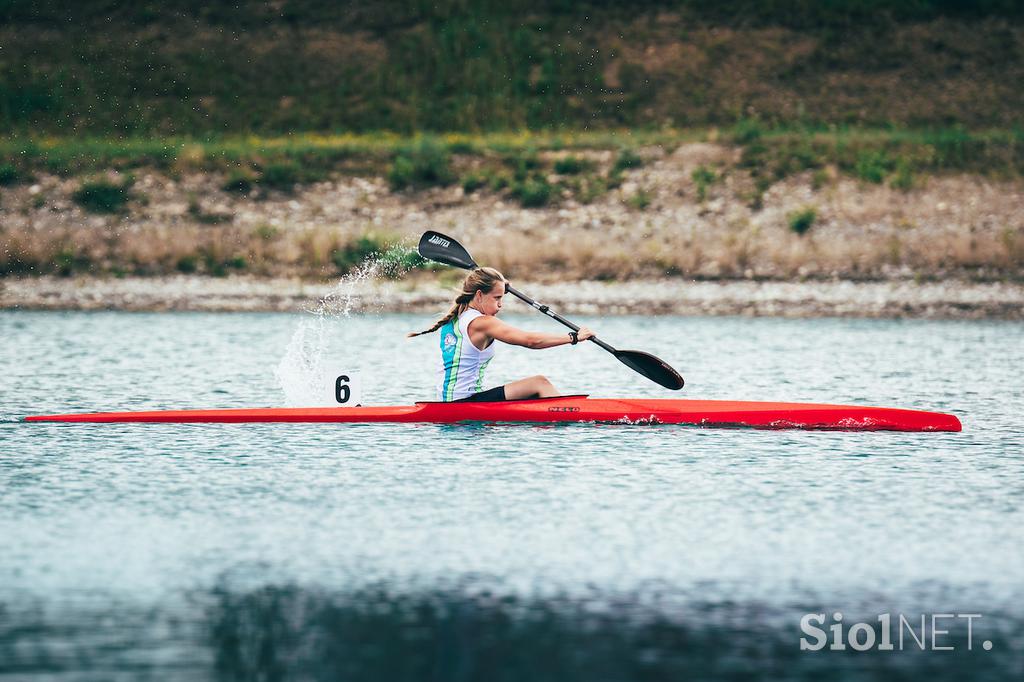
(480,279)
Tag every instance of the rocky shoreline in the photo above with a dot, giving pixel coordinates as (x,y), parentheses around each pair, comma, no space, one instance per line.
(950,299)
(682,234)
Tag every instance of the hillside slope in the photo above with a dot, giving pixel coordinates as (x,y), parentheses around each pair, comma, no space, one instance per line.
(188,67)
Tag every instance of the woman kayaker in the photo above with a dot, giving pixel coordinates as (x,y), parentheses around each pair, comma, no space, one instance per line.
(468,333)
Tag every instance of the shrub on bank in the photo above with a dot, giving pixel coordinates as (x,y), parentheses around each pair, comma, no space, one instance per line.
(218,265)
(355,252)
(571,165)
(69,261)
(239,181)
(523,164)
(103,196)
(590,188)
(9,174)
(626,159)
(473,181)
(187,264)
(703,177)
(640,200)
(904,176)
(801,221)
(398,260)
(533,192)
(195,209)
(427,164)
(281,176)
(747,131)
(873,166)
(393,259)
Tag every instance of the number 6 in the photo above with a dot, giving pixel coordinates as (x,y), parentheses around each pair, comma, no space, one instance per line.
(341,390)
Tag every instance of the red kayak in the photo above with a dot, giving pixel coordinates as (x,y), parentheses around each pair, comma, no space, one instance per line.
(578,408)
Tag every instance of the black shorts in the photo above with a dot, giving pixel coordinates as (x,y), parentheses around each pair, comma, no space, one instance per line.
(491,395)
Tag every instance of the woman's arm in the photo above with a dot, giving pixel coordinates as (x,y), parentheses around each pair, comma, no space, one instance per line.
(492,327)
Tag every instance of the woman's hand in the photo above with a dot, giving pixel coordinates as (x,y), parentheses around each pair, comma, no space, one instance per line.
(583,334)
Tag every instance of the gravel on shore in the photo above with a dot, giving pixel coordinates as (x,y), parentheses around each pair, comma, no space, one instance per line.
(951,299)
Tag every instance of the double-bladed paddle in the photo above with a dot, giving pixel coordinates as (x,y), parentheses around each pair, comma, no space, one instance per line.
(443,249)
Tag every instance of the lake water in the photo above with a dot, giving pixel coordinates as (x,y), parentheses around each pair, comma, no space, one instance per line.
(501,551)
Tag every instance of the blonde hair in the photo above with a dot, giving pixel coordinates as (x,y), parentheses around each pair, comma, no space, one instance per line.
(480,279)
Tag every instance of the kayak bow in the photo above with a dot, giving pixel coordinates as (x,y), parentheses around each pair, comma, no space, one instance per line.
(711,413)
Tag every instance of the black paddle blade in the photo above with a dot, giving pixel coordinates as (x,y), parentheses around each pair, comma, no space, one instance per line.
(651,367)
(443,249)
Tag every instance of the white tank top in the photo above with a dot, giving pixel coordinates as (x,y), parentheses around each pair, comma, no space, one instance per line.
(462,364)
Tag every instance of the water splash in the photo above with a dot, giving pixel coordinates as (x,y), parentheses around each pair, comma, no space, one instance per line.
(302,370)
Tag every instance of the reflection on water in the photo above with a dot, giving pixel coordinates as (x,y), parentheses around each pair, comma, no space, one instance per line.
(470,633)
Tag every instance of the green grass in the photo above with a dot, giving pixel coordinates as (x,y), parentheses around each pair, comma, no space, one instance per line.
(168,68)
(877,156)
(511,159)
(376,151)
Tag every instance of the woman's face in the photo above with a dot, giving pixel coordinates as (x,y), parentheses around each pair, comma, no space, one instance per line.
(490,303)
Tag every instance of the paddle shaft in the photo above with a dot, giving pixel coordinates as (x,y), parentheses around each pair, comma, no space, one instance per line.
(555,316)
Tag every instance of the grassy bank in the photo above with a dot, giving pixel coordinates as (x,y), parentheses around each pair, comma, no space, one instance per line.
(503,159)
(189,68)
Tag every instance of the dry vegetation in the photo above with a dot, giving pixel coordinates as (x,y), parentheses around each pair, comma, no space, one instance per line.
(703,215)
